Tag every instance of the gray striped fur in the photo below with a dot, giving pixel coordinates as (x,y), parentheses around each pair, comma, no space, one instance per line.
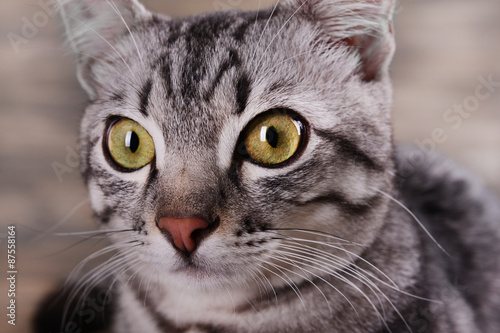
(322,244)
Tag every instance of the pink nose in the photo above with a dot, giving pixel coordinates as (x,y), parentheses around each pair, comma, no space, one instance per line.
(181,231)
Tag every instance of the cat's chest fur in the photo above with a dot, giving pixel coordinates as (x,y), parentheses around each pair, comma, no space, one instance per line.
(242,165)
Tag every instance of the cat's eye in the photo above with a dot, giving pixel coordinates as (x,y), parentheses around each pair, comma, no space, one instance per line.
(129,144)
(273,137)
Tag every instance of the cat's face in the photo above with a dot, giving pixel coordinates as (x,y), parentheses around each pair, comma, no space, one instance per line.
(220,140)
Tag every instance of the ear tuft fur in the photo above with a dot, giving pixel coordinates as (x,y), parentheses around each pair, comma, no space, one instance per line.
(366,26)
(92,26)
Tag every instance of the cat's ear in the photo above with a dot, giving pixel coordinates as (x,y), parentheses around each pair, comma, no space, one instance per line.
(365,25)
(92,26)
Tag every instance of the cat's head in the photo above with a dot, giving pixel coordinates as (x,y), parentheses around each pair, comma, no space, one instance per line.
(223,139)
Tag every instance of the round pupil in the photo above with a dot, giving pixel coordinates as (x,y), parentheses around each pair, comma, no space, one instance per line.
(132,141)
(272,136)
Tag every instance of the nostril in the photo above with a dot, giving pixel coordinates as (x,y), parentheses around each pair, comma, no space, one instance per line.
(186,233)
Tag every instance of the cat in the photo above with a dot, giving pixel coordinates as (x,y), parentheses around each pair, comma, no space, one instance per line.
(243,167)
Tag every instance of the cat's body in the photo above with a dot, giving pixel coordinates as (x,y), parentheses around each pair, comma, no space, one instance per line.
(221,237)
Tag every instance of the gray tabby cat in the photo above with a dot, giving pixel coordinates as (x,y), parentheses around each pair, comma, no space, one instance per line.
(243,166)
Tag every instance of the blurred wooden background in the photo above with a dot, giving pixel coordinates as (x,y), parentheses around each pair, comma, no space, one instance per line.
(444,47)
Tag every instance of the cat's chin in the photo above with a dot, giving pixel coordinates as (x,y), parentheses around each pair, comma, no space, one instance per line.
(192,275)
(201,279)
(197,272)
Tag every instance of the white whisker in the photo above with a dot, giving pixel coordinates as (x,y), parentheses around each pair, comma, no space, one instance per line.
(149,281)
(270,284)
(280,64)
(276,35)
(344,260)
(61,221)
(95,232)
(257,16)
(231,298)
(265,27)
(292,284)
(77,270)
(341,263)
(400,204)
(291,262)
(357,276)
(318,233)
(348,282)
(112,4)
(93,278)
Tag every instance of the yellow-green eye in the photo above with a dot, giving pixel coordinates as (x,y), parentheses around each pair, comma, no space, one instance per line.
(273,137)
(129,145)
